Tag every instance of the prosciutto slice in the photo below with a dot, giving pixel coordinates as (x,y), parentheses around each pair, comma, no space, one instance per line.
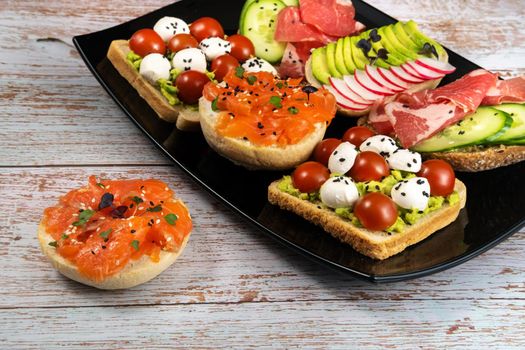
(414,117)
(291,28)
(510,90)
(332,17)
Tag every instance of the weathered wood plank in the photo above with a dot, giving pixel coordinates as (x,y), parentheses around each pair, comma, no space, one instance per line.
(226,260)
(465,324)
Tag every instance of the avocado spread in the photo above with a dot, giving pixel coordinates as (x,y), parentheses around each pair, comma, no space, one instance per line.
(406,217)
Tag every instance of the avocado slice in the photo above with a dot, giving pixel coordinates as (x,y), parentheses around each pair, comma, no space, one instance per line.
(378,45)
(330,60)
(339,57)
(420,39)
(393,54)
(397,45)
(403,37)
(319,66)
(360,60)
(347,53)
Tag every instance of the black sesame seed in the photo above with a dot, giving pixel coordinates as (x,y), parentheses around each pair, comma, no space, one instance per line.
(342,160)
(403,194)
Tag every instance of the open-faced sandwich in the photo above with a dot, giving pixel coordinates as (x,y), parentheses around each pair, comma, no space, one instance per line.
(476,122)
(262,122)
(115,234)
(371,194)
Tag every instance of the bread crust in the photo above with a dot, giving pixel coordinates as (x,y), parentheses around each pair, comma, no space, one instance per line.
(375,244)
(117,53)
(248,155)
(134,273)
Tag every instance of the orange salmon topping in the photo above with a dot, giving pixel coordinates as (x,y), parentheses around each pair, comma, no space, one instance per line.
(268,111)
(101,227)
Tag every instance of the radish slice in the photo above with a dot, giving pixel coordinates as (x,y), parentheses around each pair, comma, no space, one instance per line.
(435,65)
(376,77)
(407,78)
(424,72)
(342,89)
(392,79)
(364,80)
(353,85)
(412,72)
(345,103)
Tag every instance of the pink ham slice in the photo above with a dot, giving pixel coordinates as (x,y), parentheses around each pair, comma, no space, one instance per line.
(290,28)
(417,116)
(510,90)
(291,65)
(332,17)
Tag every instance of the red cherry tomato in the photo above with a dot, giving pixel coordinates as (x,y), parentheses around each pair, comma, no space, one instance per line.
(375,211)
(182,41)
(308,177)
(206,27)
(242,47)
(440,176)
(190,85)
(324,149)
(222,65)
(369,166)
(146,41)
(357,134)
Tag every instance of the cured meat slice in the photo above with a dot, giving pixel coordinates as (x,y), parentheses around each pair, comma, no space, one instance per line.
(332,17)
(292,66)
(290,28)
(510,90)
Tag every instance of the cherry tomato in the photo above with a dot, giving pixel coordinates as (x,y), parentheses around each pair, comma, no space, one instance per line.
(182,41)
(324,149)
(440,176)
(242,47)
(206,27)
(357,134)
(308,177)
(190,85)
(222,65)
(376,211)
(369,166)
(146,41)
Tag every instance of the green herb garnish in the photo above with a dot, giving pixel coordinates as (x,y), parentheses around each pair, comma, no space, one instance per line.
(84,217)
(64,236)
(53,244)
(137,200)
(155,209)
(279,85)
(276,101)
(135,244)
(214,104)
(105,234)
(251,79)
(293,110)
(239,72)
(171,218)
(101,185)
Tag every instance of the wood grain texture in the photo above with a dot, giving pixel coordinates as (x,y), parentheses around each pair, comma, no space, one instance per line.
(233,286)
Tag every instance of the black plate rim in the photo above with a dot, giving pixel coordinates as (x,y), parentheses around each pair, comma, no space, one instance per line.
(374,278)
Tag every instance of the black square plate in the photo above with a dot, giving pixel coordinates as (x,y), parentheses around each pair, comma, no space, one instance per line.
(495,198)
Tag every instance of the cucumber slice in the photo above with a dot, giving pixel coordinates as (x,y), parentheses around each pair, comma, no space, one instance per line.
(484,125)
(243,12)
(291,2)
(258,22)
(517,129)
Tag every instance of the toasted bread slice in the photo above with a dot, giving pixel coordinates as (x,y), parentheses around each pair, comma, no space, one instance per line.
(375,244)
(428,84)
(184,117)
(248,155)
(135,273)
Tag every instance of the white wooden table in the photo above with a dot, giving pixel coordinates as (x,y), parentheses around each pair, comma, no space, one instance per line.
(233,287)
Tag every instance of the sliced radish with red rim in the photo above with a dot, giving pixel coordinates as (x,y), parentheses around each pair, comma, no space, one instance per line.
(392,78)
(353,85)
(412,72)
(424,72)
(345,103)
(435,65)
(376,77)
(364,80)
(344,90)
(407,78)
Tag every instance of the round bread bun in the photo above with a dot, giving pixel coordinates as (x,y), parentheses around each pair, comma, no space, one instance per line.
(248,155)
(134,273)
(428,84)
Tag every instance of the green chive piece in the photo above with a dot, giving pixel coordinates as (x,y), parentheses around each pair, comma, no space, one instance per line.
(293,110)
(155,209)
(279,85)
(84,217)
(135,244)
(105,234)
(64,236)
(214,104)
(276,101)
(101,185)
(171,218)
(137,200)
(53,244)
(251,79)
(239,72)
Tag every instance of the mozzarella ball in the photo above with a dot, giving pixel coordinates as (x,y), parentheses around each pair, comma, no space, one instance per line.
(166,27)
(342,158)
(255,64)
(154,67)
(380,144)
(339,192)
(413,193)
(189,59)
(404,159)
(215,47)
